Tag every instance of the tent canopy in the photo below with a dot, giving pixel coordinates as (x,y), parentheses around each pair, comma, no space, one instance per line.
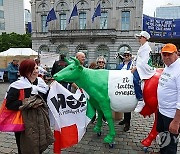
(19,52)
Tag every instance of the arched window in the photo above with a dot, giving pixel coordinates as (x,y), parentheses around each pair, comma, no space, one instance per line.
(123,48)
(103,50)
(43,48)
(62,49)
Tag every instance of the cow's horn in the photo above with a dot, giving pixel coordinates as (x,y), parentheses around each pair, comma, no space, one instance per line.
(68,61)
(76,60)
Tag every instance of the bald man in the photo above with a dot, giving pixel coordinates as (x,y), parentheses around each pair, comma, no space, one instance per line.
(81,57)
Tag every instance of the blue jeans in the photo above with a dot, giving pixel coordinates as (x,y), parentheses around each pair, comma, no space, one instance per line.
(137,86)
(163,123)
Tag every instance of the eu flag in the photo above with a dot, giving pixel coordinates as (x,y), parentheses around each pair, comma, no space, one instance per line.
(97,12)
(74,13)
(51,16)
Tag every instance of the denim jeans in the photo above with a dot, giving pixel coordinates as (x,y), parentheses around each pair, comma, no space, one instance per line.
(137,86)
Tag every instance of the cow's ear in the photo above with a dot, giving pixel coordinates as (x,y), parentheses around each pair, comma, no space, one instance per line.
(80,67)
(77,62)
(68,61)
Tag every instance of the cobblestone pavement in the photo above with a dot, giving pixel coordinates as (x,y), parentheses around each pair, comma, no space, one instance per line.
(125,142)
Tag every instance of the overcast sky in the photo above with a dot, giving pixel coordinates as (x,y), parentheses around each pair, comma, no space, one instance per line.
(148,9)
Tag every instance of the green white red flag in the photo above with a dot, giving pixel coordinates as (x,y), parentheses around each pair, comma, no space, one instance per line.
(69,114)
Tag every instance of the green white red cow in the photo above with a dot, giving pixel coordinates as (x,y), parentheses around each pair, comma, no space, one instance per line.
(112,89)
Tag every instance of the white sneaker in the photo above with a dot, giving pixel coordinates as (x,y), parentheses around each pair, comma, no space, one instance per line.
(139,106)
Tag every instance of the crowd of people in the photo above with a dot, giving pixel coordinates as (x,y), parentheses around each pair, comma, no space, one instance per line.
(29,77)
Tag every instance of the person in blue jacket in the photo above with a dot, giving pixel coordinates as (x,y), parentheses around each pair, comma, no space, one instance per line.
(126,64)
(13,70)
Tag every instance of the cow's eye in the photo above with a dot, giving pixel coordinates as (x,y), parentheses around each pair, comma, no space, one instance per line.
(71,68)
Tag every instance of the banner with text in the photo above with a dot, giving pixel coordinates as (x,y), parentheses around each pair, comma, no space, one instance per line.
(158,27)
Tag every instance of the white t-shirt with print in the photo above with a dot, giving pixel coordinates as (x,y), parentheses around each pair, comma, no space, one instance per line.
(169,90)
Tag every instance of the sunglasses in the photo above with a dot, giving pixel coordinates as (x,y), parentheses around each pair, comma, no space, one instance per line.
(126,55)
(101,62)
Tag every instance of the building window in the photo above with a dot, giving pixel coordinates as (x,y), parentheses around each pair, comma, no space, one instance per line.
(2,25)
(103,50)
(62,49)
(124,48)
(82,20)
(62,18)
(43,23)
(125,21)
(103,24)
(1,14)
(43,48)
(1,2)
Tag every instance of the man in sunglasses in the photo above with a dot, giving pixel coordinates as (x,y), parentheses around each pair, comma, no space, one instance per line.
(142,67)
(126,64)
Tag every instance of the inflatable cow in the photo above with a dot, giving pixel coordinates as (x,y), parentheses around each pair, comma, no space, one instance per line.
(112,90)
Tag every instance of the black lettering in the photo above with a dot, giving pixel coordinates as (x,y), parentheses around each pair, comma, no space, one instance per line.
(60,102)
(71,102)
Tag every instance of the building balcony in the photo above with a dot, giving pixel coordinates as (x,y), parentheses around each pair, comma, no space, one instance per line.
(91,34)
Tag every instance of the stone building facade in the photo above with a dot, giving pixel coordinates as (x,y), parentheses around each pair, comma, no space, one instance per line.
(110,33)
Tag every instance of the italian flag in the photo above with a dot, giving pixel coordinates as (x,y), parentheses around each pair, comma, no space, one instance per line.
(69,114)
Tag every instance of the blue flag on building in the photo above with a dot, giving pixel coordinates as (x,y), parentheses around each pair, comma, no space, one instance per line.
(97,12)
(74,13)
(51,16)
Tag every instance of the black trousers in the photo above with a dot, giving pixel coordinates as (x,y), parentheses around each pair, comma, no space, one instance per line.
(17,136)
(163,123)
(127,117)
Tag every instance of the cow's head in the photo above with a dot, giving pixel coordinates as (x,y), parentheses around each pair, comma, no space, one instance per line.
(71,73)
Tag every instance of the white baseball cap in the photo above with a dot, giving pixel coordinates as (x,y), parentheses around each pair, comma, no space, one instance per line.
(144,34)
(127,52)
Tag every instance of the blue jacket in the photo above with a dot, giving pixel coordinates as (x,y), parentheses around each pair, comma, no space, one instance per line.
(12,71)
(120,66)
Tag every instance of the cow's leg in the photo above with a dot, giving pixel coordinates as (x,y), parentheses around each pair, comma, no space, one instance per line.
(152,135)
(110,136)
(95,105)
(98,126)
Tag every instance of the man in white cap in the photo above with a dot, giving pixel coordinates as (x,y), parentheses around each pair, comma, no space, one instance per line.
(142,67)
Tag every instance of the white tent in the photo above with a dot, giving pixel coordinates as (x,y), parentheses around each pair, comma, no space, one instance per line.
(19,52)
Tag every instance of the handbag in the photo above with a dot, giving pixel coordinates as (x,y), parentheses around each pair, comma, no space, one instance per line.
(10,120)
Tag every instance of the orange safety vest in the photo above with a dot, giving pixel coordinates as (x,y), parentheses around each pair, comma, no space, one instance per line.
(10,120)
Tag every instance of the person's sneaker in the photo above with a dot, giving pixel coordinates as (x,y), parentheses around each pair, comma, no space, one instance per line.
(122,122)
(139,106)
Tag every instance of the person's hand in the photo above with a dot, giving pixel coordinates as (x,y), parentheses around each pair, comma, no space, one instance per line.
(133,70)
(24,100)
(174,127)
(37,105)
